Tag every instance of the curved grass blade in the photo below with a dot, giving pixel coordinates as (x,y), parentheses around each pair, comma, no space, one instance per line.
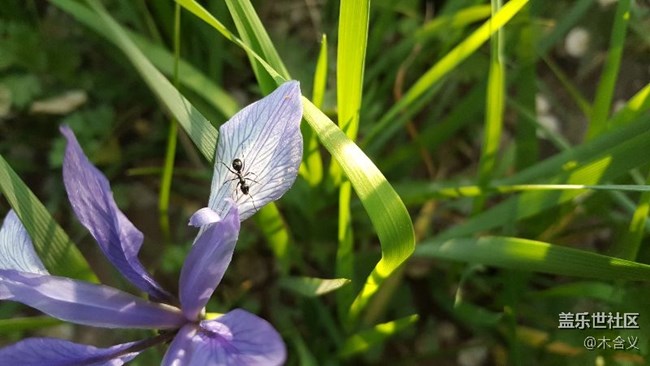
(59,255)
(535,256)
(365,339)
(311,286)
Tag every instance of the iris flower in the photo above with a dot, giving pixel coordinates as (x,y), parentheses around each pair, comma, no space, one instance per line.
(265,137)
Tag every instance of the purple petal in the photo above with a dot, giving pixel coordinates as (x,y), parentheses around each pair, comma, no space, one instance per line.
(236,338)
(92,200)
(16,248)
(85,303)
(266,137)
(57,352)
(204,216)
(207,262)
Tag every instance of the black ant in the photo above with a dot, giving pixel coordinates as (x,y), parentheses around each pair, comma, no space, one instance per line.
(238,167)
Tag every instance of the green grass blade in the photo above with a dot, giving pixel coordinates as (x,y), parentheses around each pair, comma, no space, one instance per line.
(386,127)
(8,326)
(605,91)
(388,214)
(312,167)
(631,243)
(458,19)
(252,32)
(312,287)
(59,255)
(536,256)
(172,137)
(527,144)
(354,17)
(365,339)
(494,105)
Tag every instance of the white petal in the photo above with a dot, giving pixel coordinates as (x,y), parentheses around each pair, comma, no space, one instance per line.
(16,248)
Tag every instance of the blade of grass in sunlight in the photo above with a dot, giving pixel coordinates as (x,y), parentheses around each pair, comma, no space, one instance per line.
(365,339)
(631,243)
(59,255)
(458,19)
(605,91)
(312,287)
(388,214)
(536,256)
(494,105)
(354,17)
(312,167)
(383,130)
(252,32)
(418,192)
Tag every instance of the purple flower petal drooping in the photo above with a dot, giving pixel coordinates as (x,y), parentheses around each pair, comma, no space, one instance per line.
(207,262)
(92,200)
(85,303)
(16,248)
(265,138)
(236,338)
(57,352)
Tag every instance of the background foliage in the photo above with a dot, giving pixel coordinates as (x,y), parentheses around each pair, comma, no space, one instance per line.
(502,148)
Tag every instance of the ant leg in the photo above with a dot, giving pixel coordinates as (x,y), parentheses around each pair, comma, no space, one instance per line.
(252,200)
(227,167)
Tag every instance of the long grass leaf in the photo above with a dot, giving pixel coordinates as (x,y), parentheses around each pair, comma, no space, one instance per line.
(605,91)
(536,256)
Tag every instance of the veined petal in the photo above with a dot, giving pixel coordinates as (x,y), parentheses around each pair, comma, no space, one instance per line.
(85,303)
(92,201)
(265,136)
(58,352)
(16,248)
(207,262)
(236,338)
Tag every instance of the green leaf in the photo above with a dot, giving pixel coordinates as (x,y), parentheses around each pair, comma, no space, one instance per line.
(59,255)
(365,339)
(388,214)
(310,286)
(252,32)
(607,83)
(536,256)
